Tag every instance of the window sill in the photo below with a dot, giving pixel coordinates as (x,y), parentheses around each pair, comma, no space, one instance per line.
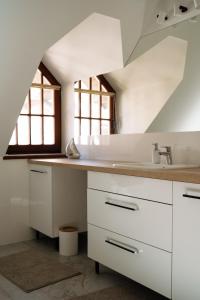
(29,156)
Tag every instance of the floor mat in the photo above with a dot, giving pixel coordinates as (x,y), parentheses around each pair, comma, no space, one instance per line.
(31,270)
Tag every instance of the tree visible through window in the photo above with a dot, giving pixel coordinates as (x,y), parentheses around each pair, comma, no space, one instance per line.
(38,128)
(94,107)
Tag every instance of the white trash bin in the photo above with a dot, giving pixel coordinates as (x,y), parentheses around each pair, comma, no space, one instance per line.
(68,241)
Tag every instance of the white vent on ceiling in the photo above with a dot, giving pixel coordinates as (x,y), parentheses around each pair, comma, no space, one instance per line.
(162,17)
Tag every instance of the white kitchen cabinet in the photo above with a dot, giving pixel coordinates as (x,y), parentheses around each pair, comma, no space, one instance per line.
(57,197)
(130,227)
(186,242)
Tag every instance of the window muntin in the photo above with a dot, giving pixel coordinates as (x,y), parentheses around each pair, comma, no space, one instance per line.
(94,107)
(38,128)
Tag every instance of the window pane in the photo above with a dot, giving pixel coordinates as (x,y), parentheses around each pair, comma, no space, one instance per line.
(85,127)
(103,88)
(46,81)
(76,85)
(49,135)
(37,77)
(85,84)
(25,108)
(95,84)
(36,102)
(13,140)
(95,106)
(76,127)
(85,105)
(23,130)
(105,107)
(77,102)
(95,127)
(48,96)
(36,130)
(105,127)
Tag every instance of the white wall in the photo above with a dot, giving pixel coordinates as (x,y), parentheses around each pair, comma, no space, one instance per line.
(67,114)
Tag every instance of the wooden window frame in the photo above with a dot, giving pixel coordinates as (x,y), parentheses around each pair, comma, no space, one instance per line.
(56,147)
(110,92)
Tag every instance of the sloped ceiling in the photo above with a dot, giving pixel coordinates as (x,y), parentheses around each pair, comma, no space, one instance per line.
(164,61)
(93,47)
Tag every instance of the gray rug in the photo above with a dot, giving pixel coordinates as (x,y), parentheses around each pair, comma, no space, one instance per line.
(127,292)
(32,269)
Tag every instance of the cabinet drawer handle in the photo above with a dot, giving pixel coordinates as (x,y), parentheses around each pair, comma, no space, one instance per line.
(122,246)
(122,204)
(191,196)
(37,171)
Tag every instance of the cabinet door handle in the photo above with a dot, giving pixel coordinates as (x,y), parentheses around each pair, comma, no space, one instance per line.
(121,204)
(37,171)
(191,196)
(122,246)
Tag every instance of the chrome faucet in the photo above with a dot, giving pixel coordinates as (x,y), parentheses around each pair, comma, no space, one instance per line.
(167,154)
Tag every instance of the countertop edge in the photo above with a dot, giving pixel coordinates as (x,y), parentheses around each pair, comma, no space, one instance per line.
(191,175)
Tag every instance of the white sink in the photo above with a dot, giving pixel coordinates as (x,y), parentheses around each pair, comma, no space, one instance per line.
(149,165)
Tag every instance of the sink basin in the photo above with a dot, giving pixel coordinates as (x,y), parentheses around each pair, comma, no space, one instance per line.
(148,165)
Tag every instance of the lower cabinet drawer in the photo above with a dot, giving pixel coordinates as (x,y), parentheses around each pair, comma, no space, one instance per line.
(145,264)
(146,221)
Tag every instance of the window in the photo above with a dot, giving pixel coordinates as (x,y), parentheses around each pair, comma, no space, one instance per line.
(38,128)
(94,107)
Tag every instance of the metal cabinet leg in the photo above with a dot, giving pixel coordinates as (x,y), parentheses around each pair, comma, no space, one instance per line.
(57,244)
(37,235)
(97,268)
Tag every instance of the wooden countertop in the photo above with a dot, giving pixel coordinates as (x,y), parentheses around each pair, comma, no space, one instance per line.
(186,175)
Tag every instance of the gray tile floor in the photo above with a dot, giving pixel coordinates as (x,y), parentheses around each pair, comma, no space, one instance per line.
(66,289)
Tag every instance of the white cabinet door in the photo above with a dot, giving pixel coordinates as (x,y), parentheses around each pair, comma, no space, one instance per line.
(186,242)
(41,199)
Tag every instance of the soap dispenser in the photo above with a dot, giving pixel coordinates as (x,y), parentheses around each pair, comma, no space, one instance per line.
(155,154)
